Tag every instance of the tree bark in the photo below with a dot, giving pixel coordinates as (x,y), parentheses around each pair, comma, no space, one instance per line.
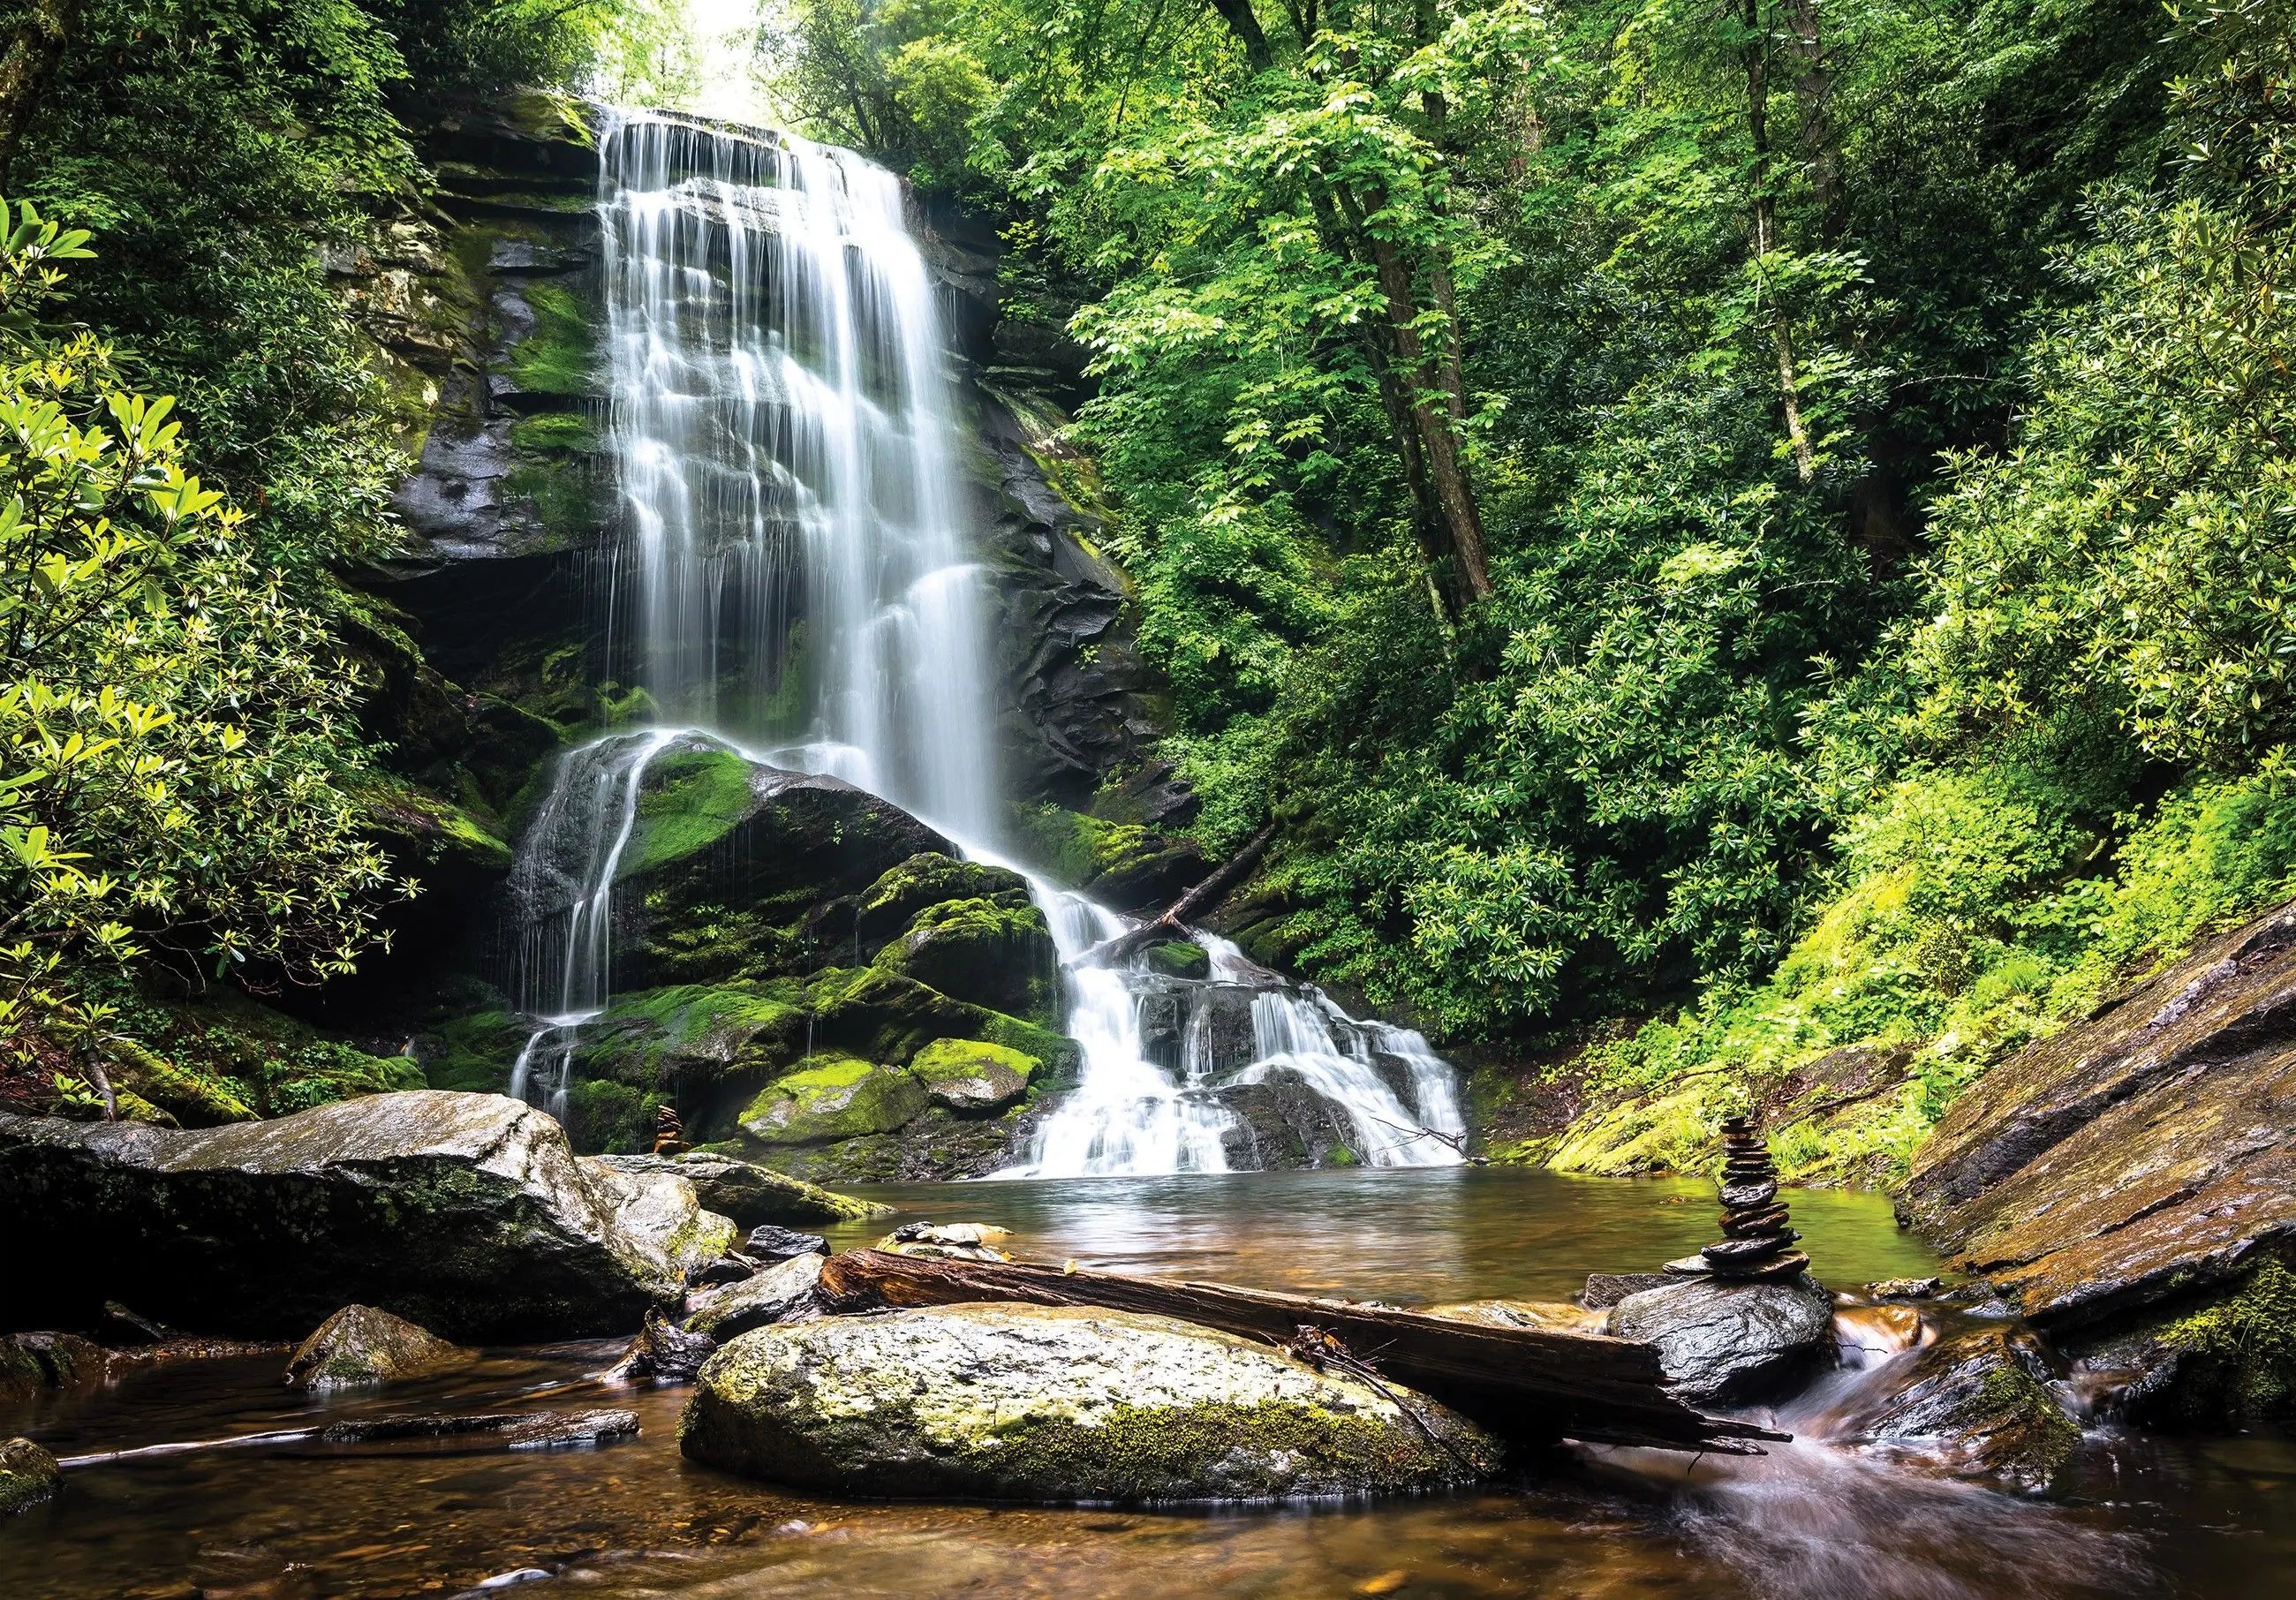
(1170,924)
(1439,437)
(33,50)
(1244,23)
(1528,1383)
(1766,231)
(1814,94)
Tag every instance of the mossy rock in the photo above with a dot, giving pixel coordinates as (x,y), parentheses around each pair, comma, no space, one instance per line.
(28,1475)
(602,1116)
(696,1033)
(971,1077)
(836,1097)
(1060,1405)
(1122,864)
(997,956)
(689,801)
(892,904)
(1178,958)
(475,1054)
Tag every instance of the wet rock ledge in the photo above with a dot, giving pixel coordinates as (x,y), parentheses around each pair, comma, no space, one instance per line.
(468,1214)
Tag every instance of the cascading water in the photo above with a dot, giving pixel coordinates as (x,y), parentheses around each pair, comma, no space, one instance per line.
(783,430)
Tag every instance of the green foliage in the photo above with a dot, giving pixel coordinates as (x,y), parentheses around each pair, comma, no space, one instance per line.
(2240,1354)
(179,735)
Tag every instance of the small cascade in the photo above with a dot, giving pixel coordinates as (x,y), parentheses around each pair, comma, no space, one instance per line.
(562,888)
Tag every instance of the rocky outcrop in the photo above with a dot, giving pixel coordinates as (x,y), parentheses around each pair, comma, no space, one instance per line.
(34,1363)
(1977,1404)
(468,1213)
(2138,1167)
(752,1196)
(1721,1342)
(1030,1403)
(360,1344)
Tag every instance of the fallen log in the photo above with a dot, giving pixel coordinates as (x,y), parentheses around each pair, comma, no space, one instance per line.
(1528,1384)
(1171,923)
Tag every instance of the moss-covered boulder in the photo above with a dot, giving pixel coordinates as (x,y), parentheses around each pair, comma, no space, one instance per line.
(836,1097)
(729,859)
(28,1475)
(37,1362)
(971,1077)
(888,906)
(1178,958)
(360,1344)
(1038,1403)
(751,1195)
(470,1214)
(993,955)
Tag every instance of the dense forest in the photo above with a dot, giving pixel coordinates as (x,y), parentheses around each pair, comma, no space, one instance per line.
(1713,532)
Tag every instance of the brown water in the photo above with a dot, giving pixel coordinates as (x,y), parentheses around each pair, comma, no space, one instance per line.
(2147,1517)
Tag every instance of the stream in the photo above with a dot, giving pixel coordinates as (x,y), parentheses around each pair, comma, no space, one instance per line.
(2145,1516)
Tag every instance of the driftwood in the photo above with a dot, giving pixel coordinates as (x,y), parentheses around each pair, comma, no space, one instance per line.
(1170,924)
(1522,1383)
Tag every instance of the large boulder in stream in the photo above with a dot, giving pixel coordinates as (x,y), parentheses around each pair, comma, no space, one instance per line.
(1720,1342)
(1058,1404)
(360,1344)
(469,1214)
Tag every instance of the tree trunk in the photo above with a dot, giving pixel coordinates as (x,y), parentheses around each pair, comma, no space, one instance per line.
(37,44)
(1814,93)
(1439,437)
(1766,233)
(1244,23)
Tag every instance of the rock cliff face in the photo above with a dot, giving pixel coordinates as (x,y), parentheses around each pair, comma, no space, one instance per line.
(2133,1178)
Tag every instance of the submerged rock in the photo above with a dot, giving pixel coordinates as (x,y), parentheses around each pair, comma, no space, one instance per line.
(774,1295)
(948,1241)
(1606,1289)
(1524,1314)
(750,1195)
(1730,1342)
(469,1214)
(1033,1403)
(28,1475)
(507,1430)
(359,1344)
(1976,1404)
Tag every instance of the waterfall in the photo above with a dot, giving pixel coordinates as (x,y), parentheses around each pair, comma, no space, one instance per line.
(804,592)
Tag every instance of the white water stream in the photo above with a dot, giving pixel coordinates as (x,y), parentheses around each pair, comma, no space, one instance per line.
(805,593)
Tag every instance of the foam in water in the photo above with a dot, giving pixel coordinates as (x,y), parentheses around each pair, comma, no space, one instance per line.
(784,431)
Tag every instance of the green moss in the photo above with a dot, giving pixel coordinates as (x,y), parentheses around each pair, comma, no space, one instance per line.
(691,799)
(834,1097)
(993,952)
(556,433)
(1178,958)
(1076,849)
(1146,1454)
(604,1116)
(559,356)
(946,1060)
(475,1054)
(697,1032)
(2240,1354)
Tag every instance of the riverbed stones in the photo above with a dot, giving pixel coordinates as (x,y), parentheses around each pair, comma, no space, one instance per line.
(28,1475)
(468,1214)
(662,1351)
(774,1295)
(1719,1340)
(1051,1405)
(1756,1244)
(360,1344)
(946,1241)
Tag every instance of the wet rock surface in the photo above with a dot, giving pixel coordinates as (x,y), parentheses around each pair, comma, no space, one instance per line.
(773,1295)
(2146,1155)
(1027,1403)
(1726,1341)
(469,1214)
(28,1475)
(503,1430)
(37,1362)
(664,1351)
(360,1344)
(1977,1403)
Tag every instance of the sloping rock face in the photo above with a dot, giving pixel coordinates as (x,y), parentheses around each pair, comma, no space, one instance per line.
(1032,1403)
(469,1214)
(751,1195)
(2145,1156)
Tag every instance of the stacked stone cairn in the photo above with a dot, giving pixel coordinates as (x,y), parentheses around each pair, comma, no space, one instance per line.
(1756,1244)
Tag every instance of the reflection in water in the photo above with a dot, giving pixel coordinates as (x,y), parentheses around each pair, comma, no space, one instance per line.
(1808,1522)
